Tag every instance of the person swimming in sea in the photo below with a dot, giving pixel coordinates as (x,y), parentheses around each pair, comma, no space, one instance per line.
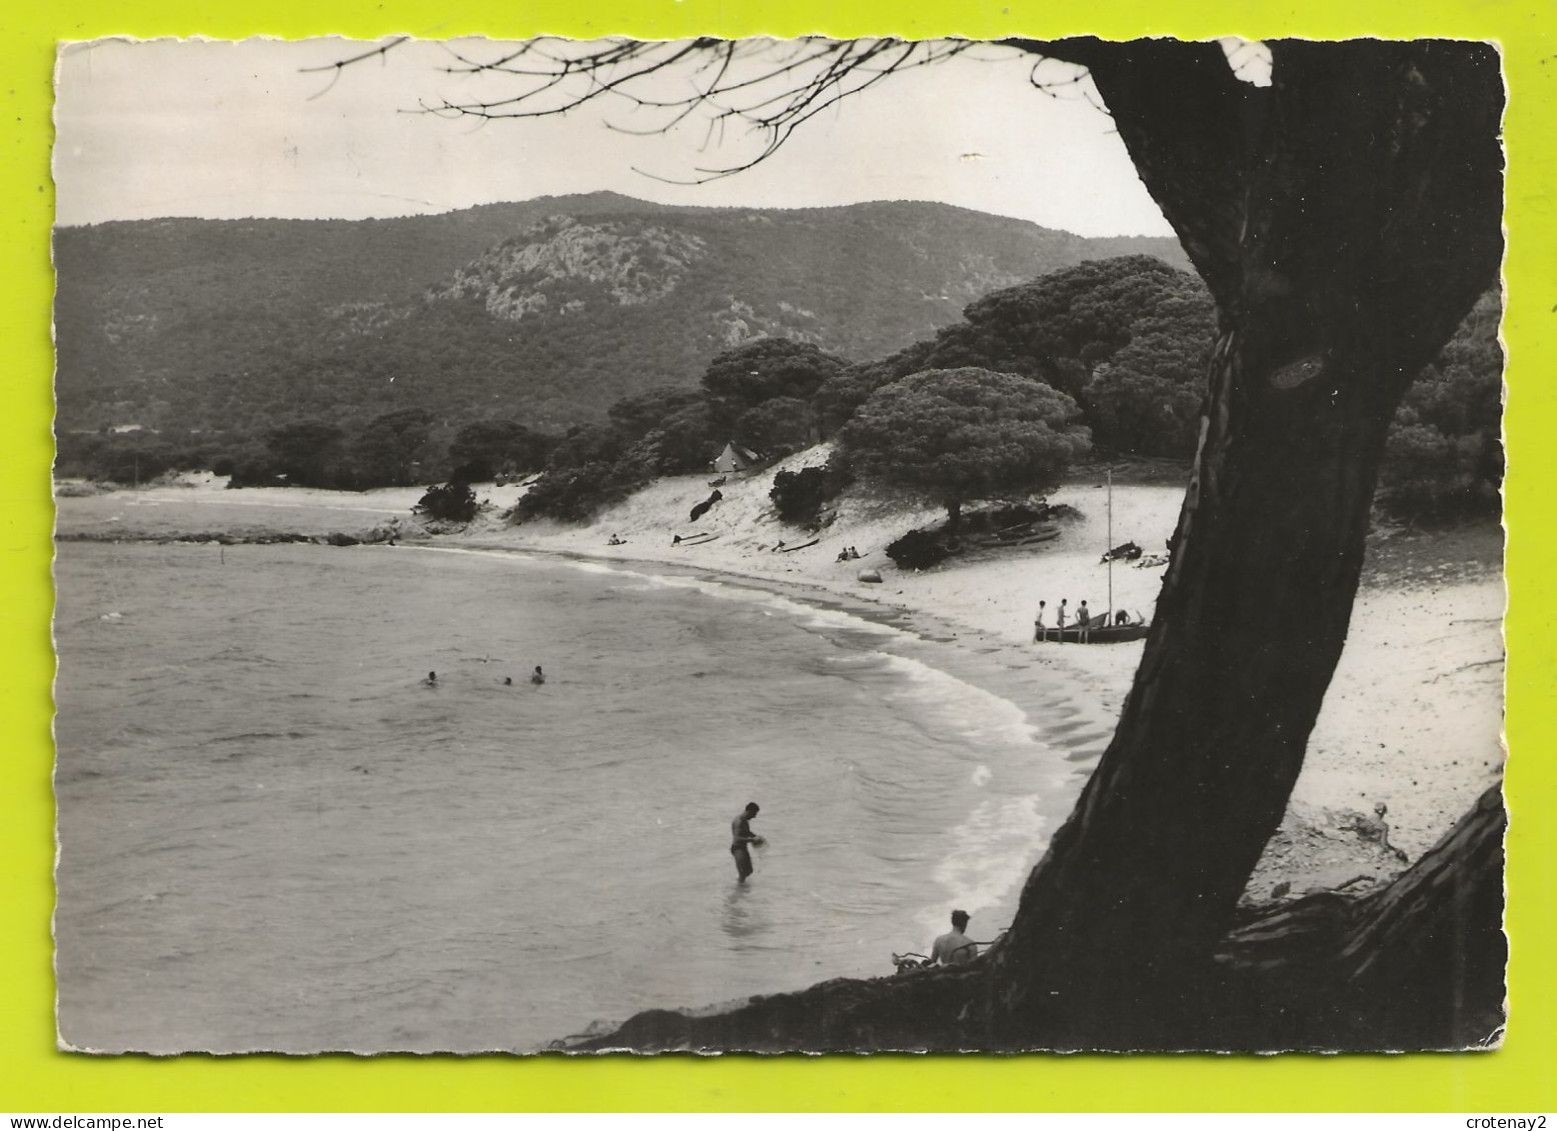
(431,680)
(537,677)
(508,681)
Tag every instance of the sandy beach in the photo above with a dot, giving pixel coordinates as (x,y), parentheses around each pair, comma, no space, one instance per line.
(1412,719)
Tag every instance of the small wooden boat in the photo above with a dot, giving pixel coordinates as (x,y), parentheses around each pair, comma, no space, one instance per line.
(695,540)
(1102,631)
(1111,634)
(802,546)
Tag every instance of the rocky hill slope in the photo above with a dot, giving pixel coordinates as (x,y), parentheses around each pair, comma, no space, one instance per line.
(545,311)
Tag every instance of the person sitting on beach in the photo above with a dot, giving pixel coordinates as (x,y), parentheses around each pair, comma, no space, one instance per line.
(1083,623)
(615,541)
(954,948)
(843,554)
(1376,829)
(1040,629)
(741,838)
(537,677)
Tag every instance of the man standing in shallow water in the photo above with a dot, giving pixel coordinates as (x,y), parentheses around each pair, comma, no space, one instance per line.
(741,837)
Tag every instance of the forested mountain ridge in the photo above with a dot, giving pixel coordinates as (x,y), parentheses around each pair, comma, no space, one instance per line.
(545,311)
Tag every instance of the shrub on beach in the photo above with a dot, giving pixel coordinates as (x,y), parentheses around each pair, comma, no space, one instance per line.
(574,494)
(918,549)
(448,502)
(799,496)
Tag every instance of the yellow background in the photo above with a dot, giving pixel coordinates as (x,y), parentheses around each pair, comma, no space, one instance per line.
(35,1078)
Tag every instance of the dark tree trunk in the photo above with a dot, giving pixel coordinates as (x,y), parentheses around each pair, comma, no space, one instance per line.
(1345,219)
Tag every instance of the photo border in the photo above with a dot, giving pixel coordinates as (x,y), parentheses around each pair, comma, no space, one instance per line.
(38,1078)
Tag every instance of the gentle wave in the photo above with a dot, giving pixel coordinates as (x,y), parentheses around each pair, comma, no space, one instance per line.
(992,854)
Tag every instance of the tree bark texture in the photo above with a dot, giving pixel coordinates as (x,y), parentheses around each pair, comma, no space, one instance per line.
(1346,219)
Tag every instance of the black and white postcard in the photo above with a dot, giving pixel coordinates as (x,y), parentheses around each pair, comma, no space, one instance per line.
(753,545)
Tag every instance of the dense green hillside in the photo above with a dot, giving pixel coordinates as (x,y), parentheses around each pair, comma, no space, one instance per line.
(545,311)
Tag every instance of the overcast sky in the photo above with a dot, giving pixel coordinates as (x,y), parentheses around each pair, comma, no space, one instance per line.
(170,128)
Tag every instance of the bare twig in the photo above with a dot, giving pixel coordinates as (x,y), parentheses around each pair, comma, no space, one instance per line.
(340,65)
(768,87)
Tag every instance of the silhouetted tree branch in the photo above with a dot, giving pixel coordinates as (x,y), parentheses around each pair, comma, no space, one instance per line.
(339,66)
(762,88)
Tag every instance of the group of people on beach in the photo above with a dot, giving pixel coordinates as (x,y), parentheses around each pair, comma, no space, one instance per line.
(954,948)
(1083,620)
(1062,615)
(537,677)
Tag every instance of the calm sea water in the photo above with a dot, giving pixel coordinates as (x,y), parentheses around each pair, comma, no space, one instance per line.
(273,836)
